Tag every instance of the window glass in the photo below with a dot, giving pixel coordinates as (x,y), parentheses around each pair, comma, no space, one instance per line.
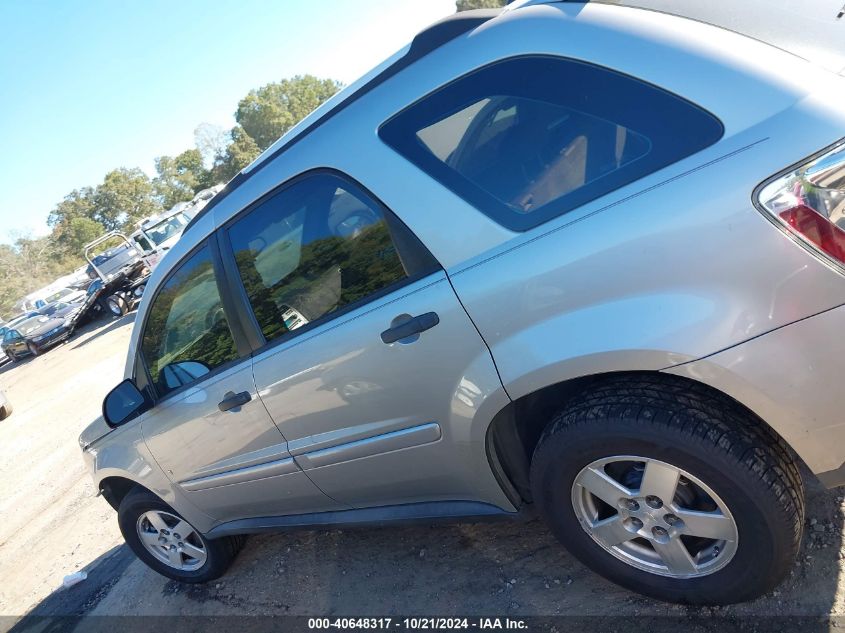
(186,334)
(529,138)
(315,247)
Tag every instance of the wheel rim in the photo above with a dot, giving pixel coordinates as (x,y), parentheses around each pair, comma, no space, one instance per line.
(172,540)
(114,306)
(654,516)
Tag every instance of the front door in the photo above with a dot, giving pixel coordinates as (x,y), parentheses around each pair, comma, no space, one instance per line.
(371,368)
(208,430)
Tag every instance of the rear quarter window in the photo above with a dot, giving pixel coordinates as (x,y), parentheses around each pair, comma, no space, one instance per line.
(530,138)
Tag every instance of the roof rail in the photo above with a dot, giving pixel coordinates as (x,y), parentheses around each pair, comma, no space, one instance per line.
(425,42)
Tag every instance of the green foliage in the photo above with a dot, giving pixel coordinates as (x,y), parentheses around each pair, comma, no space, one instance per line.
(267,113)
(71,236)
(240,153)
(181,177)
(29,264)
(466,5)
(124,196)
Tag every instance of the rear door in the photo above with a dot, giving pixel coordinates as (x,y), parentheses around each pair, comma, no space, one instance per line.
(209,431)
(367,362)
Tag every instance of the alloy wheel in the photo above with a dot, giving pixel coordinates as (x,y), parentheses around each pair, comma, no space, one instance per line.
(172,540)
(654,516)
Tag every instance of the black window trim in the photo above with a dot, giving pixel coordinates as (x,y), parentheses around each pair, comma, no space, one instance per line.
(235,285)
(141,362)
(498,212)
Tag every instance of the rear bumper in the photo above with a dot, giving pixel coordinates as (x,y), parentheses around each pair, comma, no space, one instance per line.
(792,379)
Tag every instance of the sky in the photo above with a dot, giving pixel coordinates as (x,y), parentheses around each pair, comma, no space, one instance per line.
(91,85)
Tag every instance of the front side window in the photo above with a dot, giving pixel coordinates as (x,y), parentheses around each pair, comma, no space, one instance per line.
(529,138)
(186,334)
(316,247)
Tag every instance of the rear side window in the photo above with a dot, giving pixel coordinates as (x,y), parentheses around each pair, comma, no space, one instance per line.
(530,138)
(318,247)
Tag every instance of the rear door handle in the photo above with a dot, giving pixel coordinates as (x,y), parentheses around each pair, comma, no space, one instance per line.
(232,400)
(412,326)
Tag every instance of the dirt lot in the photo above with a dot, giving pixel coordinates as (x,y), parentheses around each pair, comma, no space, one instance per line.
(53,525)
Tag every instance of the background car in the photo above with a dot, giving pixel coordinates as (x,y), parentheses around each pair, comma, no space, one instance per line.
(67,295)
(16,320)
(5,406)
(35,335)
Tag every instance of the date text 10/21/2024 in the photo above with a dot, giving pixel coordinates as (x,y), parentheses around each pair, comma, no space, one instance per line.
(418,623)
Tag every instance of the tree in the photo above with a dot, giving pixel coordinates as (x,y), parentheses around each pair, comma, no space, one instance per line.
(71,236)
(240,153)
(267,113)
(211,141)
(79,203)
(180,178)
(125,196)
(30,263)
(466,5)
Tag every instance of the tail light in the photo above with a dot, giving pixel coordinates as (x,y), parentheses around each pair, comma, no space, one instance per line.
(809,202)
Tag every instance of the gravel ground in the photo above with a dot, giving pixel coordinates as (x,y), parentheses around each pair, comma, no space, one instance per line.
(53,525)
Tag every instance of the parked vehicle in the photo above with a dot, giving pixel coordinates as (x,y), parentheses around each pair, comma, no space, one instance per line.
(201,199)
(566,280)
(119,276)
(36,334)
(156,235)
(66,295)
(18,319)
(5,406)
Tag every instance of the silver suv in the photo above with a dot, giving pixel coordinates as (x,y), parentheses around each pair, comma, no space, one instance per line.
(581,261)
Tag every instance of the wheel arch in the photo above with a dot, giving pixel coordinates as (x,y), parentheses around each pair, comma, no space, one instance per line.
(515,430)
(114,488)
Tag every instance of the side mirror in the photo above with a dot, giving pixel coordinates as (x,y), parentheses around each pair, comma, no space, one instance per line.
(123,403)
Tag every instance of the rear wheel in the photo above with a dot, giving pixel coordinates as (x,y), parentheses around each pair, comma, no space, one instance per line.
(117,305)
(168,544)
(670,491)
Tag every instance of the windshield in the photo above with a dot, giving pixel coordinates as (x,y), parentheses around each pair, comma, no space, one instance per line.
(166,229)
(61,294)
(54,307)
(30,325)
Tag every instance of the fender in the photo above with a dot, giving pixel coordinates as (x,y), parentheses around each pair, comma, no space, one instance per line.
(123,453)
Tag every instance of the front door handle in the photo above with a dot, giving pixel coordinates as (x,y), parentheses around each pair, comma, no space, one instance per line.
(232,400)
(409,327)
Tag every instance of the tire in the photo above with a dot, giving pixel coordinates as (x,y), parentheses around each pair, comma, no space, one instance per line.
(32,349)
(12,357)
(5,410)
(714,442)
(219,553)
(117,305)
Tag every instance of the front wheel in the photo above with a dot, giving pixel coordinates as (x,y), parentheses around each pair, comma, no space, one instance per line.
(670,491)
(170,545)
(32,349)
